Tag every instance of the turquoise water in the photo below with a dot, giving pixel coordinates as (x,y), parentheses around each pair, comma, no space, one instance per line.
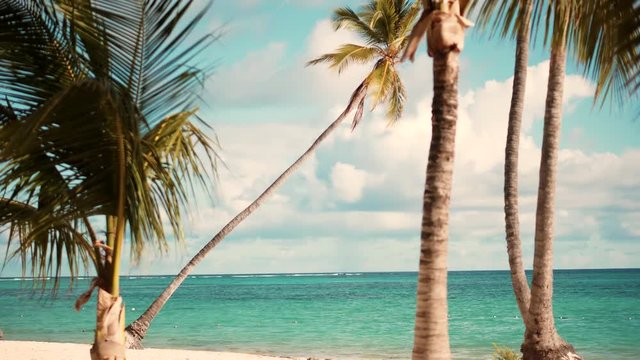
(343,316)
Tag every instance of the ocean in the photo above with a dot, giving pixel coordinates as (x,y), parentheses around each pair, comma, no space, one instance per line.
(339,315)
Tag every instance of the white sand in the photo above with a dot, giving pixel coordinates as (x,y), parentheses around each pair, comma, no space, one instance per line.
(31,350)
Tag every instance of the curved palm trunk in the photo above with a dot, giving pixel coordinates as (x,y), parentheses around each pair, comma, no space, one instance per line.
(431,338)
(512,221)
(137,330)
(541,337)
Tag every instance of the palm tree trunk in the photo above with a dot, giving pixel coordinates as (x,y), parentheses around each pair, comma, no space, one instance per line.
(109,341)
(431,338)
(137,330)
(512,221)
(542,341)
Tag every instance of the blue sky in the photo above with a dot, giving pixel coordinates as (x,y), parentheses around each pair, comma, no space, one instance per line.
(356,206)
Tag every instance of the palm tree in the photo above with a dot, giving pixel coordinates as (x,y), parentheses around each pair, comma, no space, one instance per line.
(541,337)
(97,125)
(572,21)
(444,26)
(523,9)
(609,52)
(384,26)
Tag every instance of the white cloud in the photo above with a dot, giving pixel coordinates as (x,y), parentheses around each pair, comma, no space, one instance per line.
(356,204)
(344,167)
(268,75)
(248,79)
(348,182)
(631,223)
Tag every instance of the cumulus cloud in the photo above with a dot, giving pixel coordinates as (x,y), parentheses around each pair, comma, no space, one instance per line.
(273,75)
(348,182)
(367,184)
(356,204)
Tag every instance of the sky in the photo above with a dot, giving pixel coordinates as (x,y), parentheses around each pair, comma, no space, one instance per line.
(356,205)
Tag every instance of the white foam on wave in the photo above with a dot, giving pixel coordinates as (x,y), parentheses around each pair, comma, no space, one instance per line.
(317,274)
(142,277)
(327,274)
(26,279)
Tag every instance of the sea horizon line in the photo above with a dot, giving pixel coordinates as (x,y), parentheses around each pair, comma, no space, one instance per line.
(319,273)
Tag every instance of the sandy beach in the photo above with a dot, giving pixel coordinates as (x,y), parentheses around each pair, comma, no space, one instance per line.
(33,350)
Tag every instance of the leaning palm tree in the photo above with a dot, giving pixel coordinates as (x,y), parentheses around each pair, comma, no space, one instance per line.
(384,26)
(444,26)
(97,125)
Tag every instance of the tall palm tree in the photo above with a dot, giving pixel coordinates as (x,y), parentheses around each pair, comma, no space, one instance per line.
(609,53)
(541,337)
(384,26)
(97,125)
(444,26)
(608,62)
(523,9)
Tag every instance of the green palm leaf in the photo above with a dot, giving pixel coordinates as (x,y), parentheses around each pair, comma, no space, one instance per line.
(607,35)
(35,55)
(44,248)
(347,18)
(603,36)
(115,133)
(384,25)
(144,42)
(346,55)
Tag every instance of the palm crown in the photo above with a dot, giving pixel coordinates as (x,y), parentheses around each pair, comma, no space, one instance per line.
(603,36)
(384,25)
(98,119)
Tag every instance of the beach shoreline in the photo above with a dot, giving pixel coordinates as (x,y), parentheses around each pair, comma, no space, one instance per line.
(40,350)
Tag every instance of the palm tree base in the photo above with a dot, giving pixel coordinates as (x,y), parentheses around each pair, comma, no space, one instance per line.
(564,351)
(109,342)
(133,336)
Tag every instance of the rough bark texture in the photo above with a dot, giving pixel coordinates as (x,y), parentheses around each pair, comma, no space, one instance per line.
(136,331)
(109,339)
(431,338)
(511,217)
(542,341)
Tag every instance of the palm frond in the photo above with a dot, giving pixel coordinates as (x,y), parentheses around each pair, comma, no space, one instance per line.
(77,130)
(347,18)
(145,43)
(384,25)
(36,58)
(346,55)
(379,15)
(178,157)
(408,13)
(396,97)
(603,35)
(131,69)
(501,17)
(606,40)
(44,247)
(380,82)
